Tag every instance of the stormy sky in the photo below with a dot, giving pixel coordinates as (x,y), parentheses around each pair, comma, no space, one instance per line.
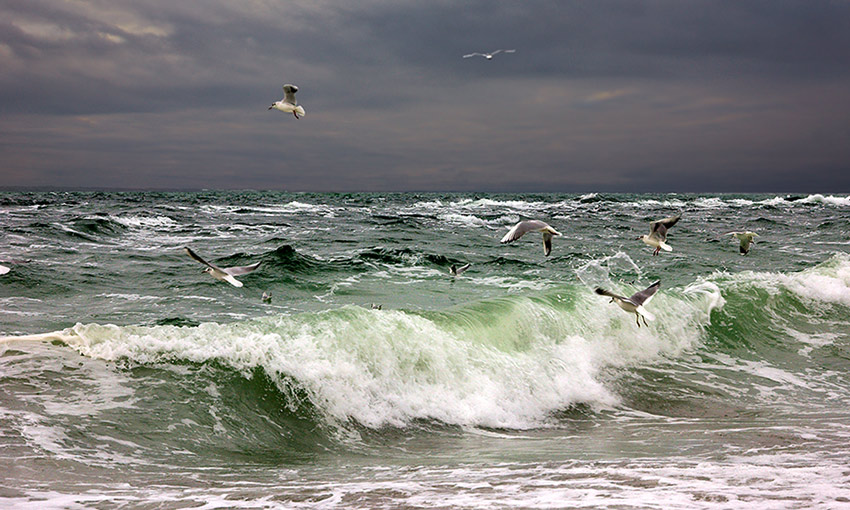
(599,96)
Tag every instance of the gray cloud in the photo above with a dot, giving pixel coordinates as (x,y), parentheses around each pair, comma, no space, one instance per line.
(624,95)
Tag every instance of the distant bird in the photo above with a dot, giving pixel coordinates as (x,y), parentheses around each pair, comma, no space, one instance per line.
(289,104)
(657,236)
(521,228)
(223,273)
(635,303)
(746,239)
(4,269)
(267,297)
(488,56)
(375,306)
(455,271)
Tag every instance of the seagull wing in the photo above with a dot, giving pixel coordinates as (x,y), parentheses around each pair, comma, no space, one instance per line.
(521,228)
(289,91)
(199,259)
(495,52)
(4,269)
(659,228)
(462,268)
(645,296)
(658,231)
(240,270)
(603,292)
(473,55)
(666,222)
(547,243)
(510,51)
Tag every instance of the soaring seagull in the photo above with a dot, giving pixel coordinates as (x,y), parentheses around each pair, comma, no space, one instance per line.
(635,303)
(223,273)
(746,239)
(289,104)
(488,56)
(521,228)
(455,271)
(657,236)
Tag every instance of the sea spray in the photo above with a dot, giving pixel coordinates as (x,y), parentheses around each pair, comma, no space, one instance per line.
(509,362)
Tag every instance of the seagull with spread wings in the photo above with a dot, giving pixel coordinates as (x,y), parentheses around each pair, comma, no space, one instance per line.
(635,303)
(289,104)
(746,240)
(657,237)
(523,227)
(488,56)
(223,273)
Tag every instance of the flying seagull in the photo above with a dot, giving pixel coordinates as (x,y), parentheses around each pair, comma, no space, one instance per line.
(635,303)
(455,271)
(223,273)
(267,297)
(488,56)
(522,227)
(657,236)
(746,239)
(289,104)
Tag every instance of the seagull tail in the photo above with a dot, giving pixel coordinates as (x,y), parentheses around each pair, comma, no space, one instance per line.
(300,110)
(645,313)
(665,247)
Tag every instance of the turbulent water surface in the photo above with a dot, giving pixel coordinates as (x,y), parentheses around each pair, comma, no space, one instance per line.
(131,379)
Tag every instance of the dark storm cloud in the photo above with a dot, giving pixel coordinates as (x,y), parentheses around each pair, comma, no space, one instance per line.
(600,95)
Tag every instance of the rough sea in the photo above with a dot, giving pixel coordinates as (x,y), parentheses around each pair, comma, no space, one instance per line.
(131,379)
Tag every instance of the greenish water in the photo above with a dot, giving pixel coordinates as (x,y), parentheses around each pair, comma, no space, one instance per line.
(511,386)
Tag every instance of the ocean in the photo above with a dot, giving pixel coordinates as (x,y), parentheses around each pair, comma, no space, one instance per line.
(376,380)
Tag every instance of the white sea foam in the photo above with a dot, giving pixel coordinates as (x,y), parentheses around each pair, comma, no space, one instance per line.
(149,222)
(827,283)
(506,363)
(829,200)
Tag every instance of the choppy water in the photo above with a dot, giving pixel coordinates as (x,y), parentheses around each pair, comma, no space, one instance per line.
(512,386)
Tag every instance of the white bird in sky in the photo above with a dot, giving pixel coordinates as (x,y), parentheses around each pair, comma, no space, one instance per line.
(289,104)
(657,237)
(746,239)
(223,273)
(521,228)
(634,304)
(488,56)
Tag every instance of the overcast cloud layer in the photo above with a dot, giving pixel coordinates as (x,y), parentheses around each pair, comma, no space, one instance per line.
(601,96)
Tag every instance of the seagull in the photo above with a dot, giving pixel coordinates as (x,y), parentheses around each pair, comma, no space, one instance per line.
(455,271)
(657,236)
(532,226)
(289,104)
(267,297)
(746,239)
(223,273)
(4,269)
(488,56)
(635,303)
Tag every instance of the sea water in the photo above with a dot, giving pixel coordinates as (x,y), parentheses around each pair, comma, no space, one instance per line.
(131,379)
